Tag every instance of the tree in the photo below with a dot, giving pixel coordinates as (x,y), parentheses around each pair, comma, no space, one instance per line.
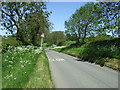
(111,17)
(56,37)
(81,21)
(29,19)
(94,18)
(36,24)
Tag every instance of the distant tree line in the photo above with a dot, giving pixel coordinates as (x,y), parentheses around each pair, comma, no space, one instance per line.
(56,37)
(94,19)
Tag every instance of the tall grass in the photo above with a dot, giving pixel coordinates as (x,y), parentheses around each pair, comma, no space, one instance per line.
(41,77)
(102,52)
(18,66)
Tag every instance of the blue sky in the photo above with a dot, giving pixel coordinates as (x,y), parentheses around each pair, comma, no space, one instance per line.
(61,11)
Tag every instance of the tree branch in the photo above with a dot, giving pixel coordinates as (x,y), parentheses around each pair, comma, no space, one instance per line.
(7,13)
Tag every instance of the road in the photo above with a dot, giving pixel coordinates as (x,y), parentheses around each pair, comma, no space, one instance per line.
(70,72)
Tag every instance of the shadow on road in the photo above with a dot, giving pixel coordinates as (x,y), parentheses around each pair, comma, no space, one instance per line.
(79,59)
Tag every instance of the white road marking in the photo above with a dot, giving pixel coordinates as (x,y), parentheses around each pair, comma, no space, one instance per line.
(58,59)
(62,59)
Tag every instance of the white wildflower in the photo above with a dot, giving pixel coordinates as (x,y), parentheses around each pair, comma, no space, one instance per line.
(29,63)
(19,48)
(11,62)
(21,61)
(22,66)
(11,75)
(9,65)
(14,78)
(37,51)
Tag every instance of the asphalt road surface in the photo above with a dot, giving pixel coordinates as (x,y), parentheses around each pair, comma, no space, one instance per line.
(70,72)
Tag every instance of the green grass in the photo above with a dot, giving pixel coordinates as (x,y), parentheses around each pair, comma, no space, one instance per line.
(41,77)
(102,52)
(68,43)
(18,66)
(93,56)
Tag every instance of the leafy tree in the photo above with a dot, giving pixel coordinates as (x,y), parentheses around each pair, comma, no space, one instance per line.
(36,24)
(56,37)
(110,17)
(29,19)
(81,21)
(94,18)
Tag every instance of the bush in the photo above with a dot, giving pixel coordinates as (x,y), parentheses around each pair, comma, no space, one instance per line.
(106,48)
(60,42)
(96,50)
(101,62)
(81,43)
(9,42)
(98,38)
(68,43)
(105,43)
(88,54)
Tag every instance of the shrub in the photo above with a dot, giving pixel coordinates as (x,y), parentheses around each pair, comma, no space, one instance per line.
(60,42)
(101,62)
(81,42)
(9,42)
(105,48)
(96,50)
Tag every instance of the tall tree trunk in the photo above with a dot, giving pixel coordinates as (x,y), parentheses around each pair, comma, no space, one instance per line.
(79,33)
(85,32)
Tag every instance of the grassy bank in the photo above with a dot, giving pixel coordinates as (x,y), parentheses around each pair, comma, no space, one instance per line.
(102,52)
(20,67)
(41,77)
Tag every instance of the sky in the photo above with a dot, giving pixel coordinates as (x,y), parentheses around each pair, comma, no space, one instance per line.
(61,11)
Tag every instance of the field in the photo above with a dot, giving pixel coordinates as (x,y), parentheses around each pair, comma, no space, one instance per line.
(25,67)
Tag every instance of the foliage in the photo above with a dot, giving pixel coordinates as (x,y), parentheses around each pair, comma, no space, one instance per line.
(98,38)
(19,66)
(93,19)
(36,24)
(28,19)
(9,42)
(81,21)
(57,38)
(110,17)
(41,76)
(68,43)
(95,50)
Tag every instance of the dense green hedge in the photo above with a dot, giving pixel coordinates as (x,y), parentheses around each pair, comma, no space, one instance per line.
(105,43)
(105,48)
(95,50)
(101,49)
(9,42)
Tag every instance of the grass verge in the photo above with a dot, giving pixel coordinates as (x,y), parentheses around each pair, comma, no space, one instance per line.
(41,77)
(20,67)
(101,57)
